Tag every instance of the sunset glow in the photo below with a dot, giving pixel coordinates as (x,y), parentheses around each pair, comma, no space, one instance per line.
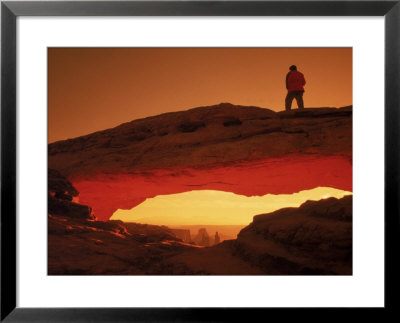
(186,161)
(107,193)
(92,89)
(210,207)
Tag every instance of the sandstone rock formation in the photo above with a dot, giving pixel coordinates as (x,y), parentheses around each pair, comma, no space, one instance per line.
(315,238)
(151,233)
(216,238)
(78,244)
(202,238)
(59,186)
(182,234)
(245,150)
(61,197)
(82,247)
(176,139)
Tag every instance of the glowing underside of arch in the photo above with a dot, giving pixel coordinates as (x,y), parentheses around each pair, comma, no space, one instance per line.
(211,207)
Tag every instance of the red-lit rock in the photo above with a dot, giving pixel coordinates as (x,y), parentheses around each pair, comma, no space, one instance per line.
(244,150)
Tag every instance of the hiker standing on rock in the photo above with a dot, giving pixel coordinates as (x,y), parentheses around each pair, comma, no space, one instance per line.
(295,85)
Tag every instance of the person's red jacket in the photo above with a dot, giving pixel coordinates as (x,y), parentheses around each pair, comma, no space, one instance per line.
(295,81)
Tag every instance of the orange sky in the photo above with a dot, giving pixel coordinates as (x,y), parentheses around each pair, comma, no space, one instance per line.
(91,89)
(216,207)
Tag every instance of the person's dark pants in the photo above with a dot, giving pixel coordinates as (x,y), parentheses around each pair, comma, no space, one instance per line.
(298,95)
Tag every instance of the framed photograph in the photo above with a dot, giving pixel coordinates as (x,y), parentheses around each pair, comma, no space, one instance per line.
(198,161)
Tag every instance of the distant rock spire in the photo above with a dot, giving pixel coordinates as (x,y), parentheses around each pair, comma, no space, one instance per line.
(216,239)
(202,238)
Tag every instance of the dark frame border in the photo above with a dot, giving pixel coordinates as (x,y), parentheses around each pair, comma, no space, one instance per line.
(10,10)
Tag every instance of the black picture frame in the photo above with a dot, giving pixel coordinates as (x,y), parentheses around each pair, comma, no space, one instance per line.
(11,10)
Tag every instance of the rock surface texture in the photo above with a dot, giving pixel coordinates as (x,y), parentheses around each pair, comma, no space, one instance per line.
(315,238)
(79,244)
(244,150)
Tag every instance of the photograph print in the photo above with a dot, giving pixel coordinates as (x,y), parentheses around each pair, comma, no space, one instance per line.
(200,161)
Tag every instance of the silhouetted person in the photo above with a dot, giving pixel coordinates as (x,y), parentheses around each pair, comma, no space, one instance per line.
(295,85)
